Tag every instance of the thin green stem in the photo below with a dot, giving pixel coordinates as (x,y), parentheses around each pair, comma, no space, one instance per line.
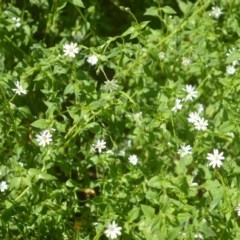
(23,193)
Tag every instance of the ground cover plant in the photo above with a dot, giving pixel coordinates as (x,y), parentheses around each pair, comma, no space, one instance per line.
(119,119)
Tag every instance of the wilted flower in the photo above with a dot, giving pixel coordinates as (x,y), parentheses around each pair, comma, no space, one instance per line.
(161,55)
(215,158)
(44,138)
(19,89)
(70,50)
(198,236)
(113,230)
(110,85)
(200,108)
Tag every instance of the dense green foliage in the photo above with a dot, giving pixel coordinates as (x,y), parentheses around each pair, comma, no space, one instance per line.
(95,124)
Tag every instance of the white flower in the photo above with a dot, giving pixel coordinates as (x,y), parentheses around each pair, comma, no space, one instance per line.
(216,12)
(17,21)
(110,85)
(177,106)
(133,159)
(3,186)
(230,69)
(215,158)
(19,88)
(93,59)
(238,210)
(191,92)
(99,145)
(201,124)
(70,50)
(112,230)
(193,117)
(44,138)
(186,61)
(161,55)
(184,150)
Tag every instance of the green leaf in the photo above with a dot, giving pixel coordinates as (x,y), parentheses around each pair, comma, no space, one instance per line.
(233,56)
(38,174)
(152,11)
(133,214)
(71,183)
(97,104)
(148,211)
(168,10)
(155,182)
(129,31)
(208,232)
(40,123)
(78,3)
(184,6)
(226,127)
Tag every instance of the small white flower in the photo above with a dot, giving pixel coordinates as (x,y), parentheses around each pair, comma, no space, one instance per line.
(230,69)
(3,186)
(193,117)
(44,138)
(191,92)
(19,88)
(161,55)
(113,230)
(177,106)
(110,85)
(17,21)
(186,61)
(238,210)
(215,158)
(93,59)
(184,150)
(70,50)
(201,124)
(99,145)
(216,12)
(133,159)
